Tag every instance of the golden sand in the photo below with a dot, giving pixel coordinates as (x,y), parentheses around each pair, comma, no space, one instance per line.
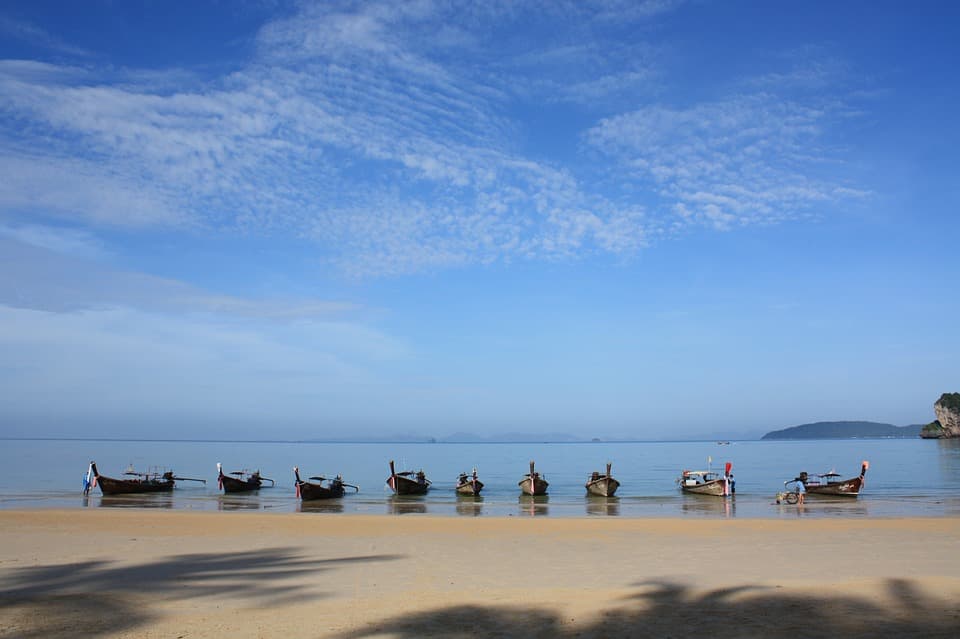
(143,573)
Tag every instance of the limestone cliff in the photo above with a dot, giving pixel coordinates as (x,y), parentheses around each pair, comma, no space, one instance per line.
(948,414)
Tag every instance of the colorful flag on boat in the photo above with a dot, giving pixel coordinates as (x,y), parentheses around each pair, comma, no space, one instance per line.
(89,480)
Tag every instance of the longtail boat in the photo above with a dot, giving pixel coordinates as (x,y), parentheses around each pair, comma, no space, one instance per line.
(707,482)
(307,491)
(149,482)
(602,485)
(243,481)
(408,482)
(469,484)
(831,484)
(532,483)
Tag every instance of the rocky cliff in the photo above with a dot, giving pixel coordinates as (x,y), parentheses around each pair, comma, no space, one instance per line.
(947,424)
(948,414)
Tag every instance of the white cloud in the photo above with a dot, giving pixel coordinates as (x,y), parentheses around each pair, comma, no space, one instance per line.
(750,159)
(47,269)
(393,151)
(84,192)
(119,367)
(73,242)
(36,36)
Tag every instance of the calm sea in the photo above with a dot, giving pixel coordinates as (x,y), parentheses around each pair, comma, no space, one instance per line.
(906,477)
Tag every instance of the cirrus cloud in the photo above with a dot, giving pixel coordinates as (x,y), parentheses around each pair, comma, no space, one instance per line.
(396,153)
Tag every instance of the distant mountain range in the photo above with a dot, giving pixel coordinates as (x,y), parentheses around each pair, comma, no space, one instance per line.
(818,430)
(459,438)
(845,430)
(507,438)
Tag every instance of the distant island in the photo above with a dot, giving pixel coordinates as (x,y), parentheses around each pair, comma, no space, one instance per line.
(845,430)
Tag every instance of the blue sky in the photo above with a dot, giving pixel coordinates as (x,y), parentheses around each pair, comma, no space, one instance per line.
(652,220)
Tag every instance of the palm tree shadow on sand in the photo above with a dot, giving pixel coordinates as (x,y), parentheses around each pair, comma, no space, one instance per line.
(663,609)
(100,597)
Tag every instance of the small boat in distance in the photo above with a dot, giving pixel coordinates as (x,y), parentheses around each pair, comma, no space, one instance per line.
(831,484)
(532,483)
(707,482)
(408,482)
(602,485)
(469,484)
(148,482)
(243,482)
(307,491)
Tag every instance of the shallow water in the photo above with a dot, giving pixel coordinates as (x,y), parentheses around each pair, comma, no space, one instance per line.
(909,477)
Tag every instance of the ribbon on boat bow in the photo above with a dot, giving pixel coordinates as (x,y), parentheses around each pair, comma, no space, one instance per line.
(89,480)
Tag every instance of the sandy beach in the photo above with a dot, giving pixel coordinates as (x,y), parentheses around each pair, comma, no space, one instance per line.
(141,573)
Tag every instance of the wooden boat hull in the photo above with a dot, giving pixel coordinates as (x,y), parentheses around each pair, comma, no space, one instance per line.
(845,488)
(471,487)
(841,488)
(401,484)
(405,486)
(234,485)
(533,487)
(533,483)
(603,487)
(316,492)
(111,486)
(716,488)
(313,492)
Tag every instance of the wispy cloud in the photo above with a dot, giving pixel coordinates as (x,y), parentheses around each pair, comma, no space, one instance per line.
(61,241)
(395,152)
(42,185)
(38,37)
(597,76)
(303,375)
(810,68)
(49,270)
(315,150)
(755,158)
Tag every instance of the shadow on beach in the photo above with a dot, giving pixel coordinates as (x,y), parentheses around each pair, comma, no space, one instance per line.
(101,597)
(664,609)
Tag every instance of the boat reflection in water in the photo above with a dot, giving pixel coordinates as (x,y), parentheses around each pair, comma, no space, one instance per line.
(406,505)
(707,505)
(232,501)
(603,506)
(840,508)
(826,507)
(534,505)
(469,505)
(137,500)
(328,506)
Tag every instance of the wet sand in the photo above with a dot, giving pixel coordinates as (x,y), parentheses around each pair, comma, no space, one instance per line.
(146,573)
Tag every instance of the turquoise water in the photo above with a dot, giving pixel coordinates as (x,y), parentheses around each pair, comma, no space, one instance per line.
(906,477)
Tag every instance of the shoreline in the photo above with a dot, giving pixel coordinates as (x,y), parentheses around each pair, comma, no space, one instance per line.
(161,573)
(746,506)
